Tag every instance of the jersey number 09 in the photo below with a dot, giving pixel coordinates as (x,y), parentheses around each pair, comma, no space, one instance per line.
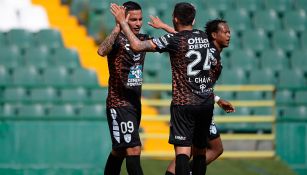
(126,127)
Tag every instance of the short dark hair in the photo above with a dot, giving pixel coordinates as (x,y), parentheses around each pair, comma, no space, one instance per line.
(213,26)
(185,13)
(130,5)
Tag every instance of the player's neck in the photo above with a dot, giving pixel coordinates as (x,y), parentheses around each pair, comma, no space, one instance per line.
(217,46)
(125,34)
(182,28)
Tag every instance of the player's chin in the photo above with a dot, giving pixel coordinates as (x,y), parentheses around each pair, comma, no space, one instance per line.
(136,31)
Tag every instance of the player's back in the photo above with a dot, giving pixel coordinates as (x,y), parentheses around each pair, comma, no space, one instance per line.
(191,63)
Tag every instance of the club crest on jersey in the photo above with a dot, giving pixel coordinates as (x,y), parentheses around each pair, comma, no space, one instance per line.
(135,77)
(127,138)
(213,129)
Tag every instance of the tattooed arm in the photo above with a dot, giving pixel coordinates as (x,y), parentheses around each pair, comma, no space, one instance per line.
(106,46)
(135,44)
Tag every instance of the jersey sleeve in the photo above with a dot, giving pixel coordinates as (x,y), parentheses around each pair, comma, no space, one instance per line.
(164,43)
(144,37)
(216,64)
(117,42)
(115,47)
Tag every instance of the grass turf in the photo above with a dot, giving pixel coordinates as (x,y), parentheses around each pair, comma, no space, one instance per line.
(224,167)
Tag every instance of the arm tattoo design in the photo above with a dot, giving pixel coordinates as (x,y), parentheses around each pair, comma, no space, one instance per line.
(135,43)
(146,45)
(106,46)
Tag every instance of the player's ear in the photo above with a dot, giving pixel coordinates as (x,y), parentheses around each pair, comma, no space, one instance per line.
(127,17)
(193,22)
(176,19)
(213,34)
(126,14)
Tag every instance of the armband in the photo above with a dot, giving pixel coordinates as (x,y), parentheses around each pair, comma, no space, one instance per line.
(216,98)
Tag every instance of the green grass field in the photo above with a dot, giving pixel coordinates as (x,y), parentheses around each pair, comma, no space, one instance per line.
(224,167)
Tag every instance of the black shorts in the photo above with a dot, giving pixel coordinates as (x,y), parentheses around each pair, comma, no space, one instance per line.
(124,123)
(190,125)
(214,132)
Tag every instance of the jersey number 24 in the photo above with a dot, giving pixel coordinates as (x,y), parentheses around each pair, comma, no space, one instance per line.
(206,66)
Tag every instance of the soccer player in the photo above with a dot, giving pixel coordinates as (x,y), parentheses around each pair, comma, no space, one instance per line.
(124,94)
(219,35)
(194,71)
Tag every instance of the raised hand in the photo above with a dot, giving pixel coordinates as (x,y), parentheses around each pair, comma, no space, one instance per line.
(118,12)
(156,22)
(226,106)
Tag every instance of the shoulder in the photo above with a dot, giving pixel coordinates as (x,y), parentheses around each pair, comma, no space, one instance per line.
(121,39)
(164,41)
(192,33)
(167,38)
(200,33)
(214,51)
